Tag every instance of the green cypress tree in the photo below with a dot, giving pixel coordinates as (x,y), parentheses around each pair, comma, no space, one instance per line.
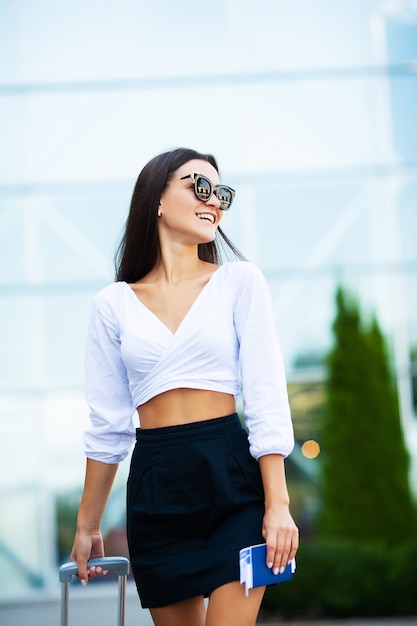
(365,484)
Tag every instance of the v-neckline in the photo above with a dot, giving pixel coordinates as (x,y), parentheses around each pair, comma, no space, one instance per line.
(187,313)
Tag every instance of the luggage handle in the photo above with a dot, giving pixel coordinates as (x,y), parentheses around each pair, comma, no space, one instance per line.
(119,564)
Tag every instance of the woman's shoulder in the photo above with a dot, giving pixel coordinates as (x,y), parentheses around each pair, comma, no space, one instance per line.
(242,270)
(110,291)
(109,296)
(246,281)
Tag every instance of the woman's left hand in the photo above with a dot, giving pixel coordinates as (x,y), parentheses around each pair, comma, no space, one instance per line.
(281,536)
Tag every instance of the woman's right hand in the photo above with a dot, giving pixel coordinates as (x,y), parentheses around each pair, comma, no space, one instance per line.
(87,546)
(88,542)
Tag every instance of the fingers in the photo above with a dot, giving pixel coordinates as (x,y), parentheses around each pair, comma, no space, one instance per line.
(277,557)
(82,574)
(87,547)
(282,545)
(294,545)
(95,571)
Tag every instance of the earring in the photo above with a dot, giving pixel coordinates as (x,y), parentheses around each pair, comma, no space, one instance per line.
(159,213)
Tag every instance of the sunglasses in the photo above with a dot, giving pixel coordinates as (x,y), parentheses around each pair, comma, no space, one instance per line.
(204,188)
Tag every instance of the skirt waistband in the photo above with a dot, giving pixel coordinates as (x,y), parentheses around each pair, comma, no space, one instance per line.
(205,428)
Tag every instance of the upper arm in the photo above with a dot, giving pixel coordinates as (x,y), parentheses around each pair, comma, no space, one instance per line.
(111,430)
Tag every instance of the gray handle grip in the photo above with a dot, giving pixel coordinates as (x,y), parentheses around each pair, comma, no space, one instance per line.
(118,564)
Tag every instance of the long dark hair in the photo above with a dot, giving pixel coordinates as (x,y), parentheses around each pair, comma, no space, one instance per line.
(139,250)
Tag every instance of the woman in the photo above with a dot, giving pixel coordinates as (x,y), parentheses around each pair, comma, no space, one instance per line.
(173,339)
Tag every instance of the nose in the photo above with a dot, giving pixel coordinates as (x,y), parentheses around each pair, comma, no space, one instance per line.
(213,201)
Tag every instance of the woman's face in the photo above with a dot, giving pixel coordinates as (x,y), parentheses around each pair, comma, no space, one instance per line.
(183,216)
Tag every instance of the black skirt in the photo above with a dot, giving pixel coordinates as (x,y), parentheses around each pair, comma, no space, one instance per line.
(194,499)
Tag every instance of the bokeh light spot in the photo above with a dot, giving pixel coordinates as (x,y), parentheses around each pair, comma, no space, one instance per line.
(310,449)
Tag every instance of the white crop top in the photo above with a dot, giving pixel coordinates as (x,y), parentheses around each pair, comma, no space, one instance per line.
(227,340)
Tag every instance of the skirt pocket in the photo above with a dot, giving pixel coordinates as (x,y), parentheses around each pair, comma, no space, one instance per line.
(139,482)
(243,469)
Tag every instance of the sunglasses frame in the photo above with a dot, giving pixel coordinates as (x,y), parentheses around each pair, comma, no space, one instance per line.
(213,188)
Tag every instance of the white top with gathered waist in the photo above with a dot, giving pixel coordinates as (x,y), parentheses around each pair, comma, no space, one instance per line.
(226,342)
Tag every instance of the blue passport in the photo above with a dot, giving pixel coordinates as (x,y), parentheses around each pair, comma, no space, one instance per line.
(255,573)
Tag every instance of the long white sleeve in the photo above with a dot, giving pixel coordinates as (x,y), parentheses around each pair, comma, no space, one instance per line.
(265,396)
(111,432)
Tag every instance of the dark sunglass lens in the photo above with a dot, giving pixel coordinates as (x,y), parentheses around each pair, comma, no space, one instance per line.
(203,188)
(225,197)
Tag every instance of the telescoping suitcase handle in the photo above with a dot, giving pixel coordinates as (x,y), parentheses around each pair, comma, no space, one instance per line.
(118,564)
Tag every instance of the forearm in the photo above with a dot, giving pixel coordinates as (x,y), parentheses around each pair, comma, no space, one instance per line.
(99,478)
(278,528)
(274,481)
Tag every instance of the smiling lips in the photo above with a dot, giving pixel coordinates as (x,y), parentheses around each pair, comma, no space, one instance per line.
(206,216)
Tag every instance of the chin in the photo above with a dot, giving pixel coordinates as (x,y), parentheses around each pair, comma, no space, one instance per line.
(207,239)
(206,235)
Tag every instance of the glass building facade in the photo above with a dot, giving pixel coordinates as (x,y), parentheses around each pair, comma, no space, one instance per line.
(310,108)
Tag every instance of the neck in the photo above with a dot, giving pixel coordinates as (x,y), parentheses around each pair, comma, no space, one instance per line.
(177,263)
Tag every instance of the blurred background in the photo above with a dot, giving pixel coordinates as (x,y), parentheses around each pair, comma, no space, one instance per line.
(310,108)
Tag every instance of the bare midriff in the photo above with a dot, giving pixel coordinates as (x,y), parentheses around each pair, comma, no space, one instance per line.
(184,406)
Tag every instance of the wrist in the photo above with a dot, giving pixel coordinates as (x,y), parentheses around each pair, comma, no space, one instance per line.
(277,502)
(88,528)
